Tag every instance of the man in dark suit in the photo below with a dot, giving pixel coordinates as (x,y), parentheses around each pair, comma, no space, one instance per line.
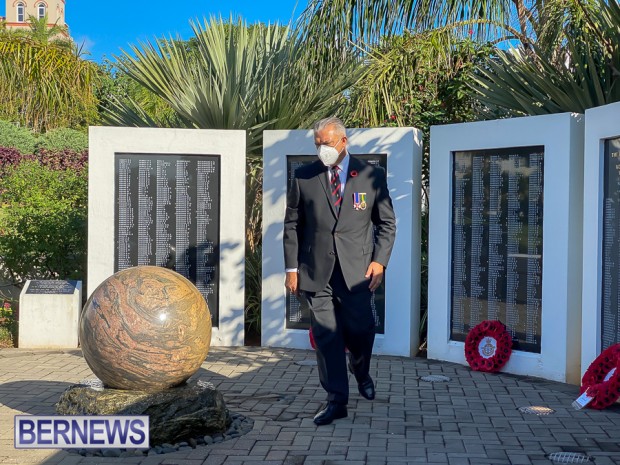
(334,261)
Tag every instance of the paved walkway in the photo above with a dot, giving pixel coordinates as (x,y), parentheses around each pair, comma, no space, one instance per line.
(472,419)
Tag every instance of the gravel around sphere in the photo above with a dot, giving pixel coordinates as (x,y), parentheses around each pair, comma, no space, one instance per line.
(239,425)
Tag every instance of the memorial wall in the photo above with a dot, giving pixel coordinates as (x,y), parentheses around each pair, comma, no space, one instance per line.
(601,235)
(173,198)
(497,232)
(168,215)
(610,292)
(284,321)
(505,220)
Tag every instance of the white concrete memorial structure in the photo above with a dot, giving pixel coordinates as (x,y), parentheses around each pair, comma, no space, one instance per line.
(49,312)
(173,198)
(400,151)
(505,239)
(601,233)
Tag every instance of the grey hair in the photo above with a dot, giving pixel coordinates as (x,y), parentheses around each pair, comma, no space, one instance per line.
(331,121)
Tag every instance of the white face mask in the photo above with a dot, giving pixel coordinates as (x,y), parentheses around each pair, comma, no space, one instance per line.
(327,154)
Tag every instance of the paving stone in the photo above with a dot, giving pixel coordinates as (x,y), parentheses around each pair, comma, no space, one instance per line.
(473,419)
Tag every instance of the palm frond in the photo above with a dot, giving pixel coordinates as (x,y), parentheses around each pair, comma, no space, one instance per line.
(231,76)
(369,20)
(560,73)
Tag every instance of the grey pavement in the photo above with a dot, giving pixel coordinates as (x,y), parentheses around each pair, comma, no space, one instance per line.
(471,419)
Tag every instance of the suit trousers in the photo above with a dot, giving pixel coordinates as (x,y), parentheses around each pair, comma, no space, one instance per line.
(341,318)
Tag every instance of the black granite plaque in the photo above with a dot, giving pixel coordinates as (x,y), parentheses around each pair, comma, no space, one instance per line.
(298,314)
(51,287)
(168,214)
(610,295)
(497,227)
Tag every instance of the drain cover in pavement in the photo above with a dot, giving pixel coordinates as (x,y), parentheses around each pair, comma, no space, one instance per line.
(537,410)
(435,379)
(569,457)
(306,363)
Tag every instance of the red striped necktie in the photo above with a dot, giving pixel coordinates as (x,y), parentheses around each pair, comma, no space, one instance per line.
(335,185)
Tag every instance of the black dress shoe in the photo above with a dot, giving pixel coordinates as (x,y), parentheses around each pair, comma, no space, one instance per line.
(367,389)
(330,413)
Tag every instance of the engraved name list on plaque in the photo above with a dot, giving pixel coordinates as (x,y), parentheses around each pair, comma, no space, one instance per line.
(497,227)
(168,215)
(297,314)
(610,295)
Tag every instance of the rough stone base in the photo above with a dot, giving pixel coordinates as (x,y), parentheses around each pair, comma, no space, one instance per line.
(196,408)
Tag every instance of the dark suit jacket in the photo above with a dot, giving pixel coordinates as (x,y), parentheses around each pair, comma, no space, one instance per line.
(314,234)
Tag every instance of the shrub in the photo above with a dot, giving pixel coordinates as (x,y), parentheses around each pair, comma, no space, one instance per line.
(17,137)
(6,338)
(56,160)
(63,159)
(9,156)
(64,139)
(44,218)
(8,326)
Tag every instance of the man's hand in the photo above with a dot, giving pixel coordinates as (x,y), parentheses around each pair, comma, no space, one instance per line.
(375,272)
(291,282)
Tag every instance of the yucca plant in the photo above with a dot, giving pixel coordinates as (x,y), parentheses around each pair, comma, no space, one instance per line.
(231,76)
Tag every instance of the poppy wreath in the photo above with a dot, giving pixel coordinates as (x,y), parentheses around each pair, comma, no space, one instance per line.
(602,378)
(488,346)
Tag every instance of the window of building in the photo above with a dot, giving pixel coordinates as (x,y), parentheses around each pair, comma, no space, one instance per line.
(41,10)
(21,13)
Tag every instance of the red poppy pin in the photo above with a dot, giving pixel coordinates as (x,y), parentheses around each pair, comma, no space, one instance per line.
(353,173)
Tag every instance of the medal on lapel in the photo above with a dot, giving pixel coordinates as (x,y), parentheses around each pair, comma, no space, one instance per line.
(359,201)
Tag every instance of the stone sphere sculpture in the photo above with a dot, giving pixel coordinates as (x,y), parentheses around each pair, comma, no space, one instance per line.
(145,328)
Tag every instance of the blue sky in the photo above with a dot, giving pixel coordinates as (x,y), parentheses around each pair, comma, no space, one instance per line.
(107,26)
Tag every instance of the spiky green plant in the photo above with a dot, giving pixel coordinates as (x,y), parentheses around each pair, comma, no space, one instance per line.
(231,76)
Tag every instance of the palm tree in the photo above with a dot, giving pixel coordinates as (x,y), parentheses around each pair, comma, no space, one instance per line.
(43,85)
(564,55)
(570,75)
(366,21)
(41,32)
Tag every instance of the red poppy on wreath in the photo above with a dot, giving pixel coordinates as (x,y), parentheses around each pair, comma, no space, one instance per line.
(488,346)
(353,174)
(602,378)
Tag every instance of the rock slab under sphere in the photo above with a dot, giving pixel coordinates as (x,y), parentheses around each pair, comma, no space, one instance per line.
(145,328)
(195,408)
